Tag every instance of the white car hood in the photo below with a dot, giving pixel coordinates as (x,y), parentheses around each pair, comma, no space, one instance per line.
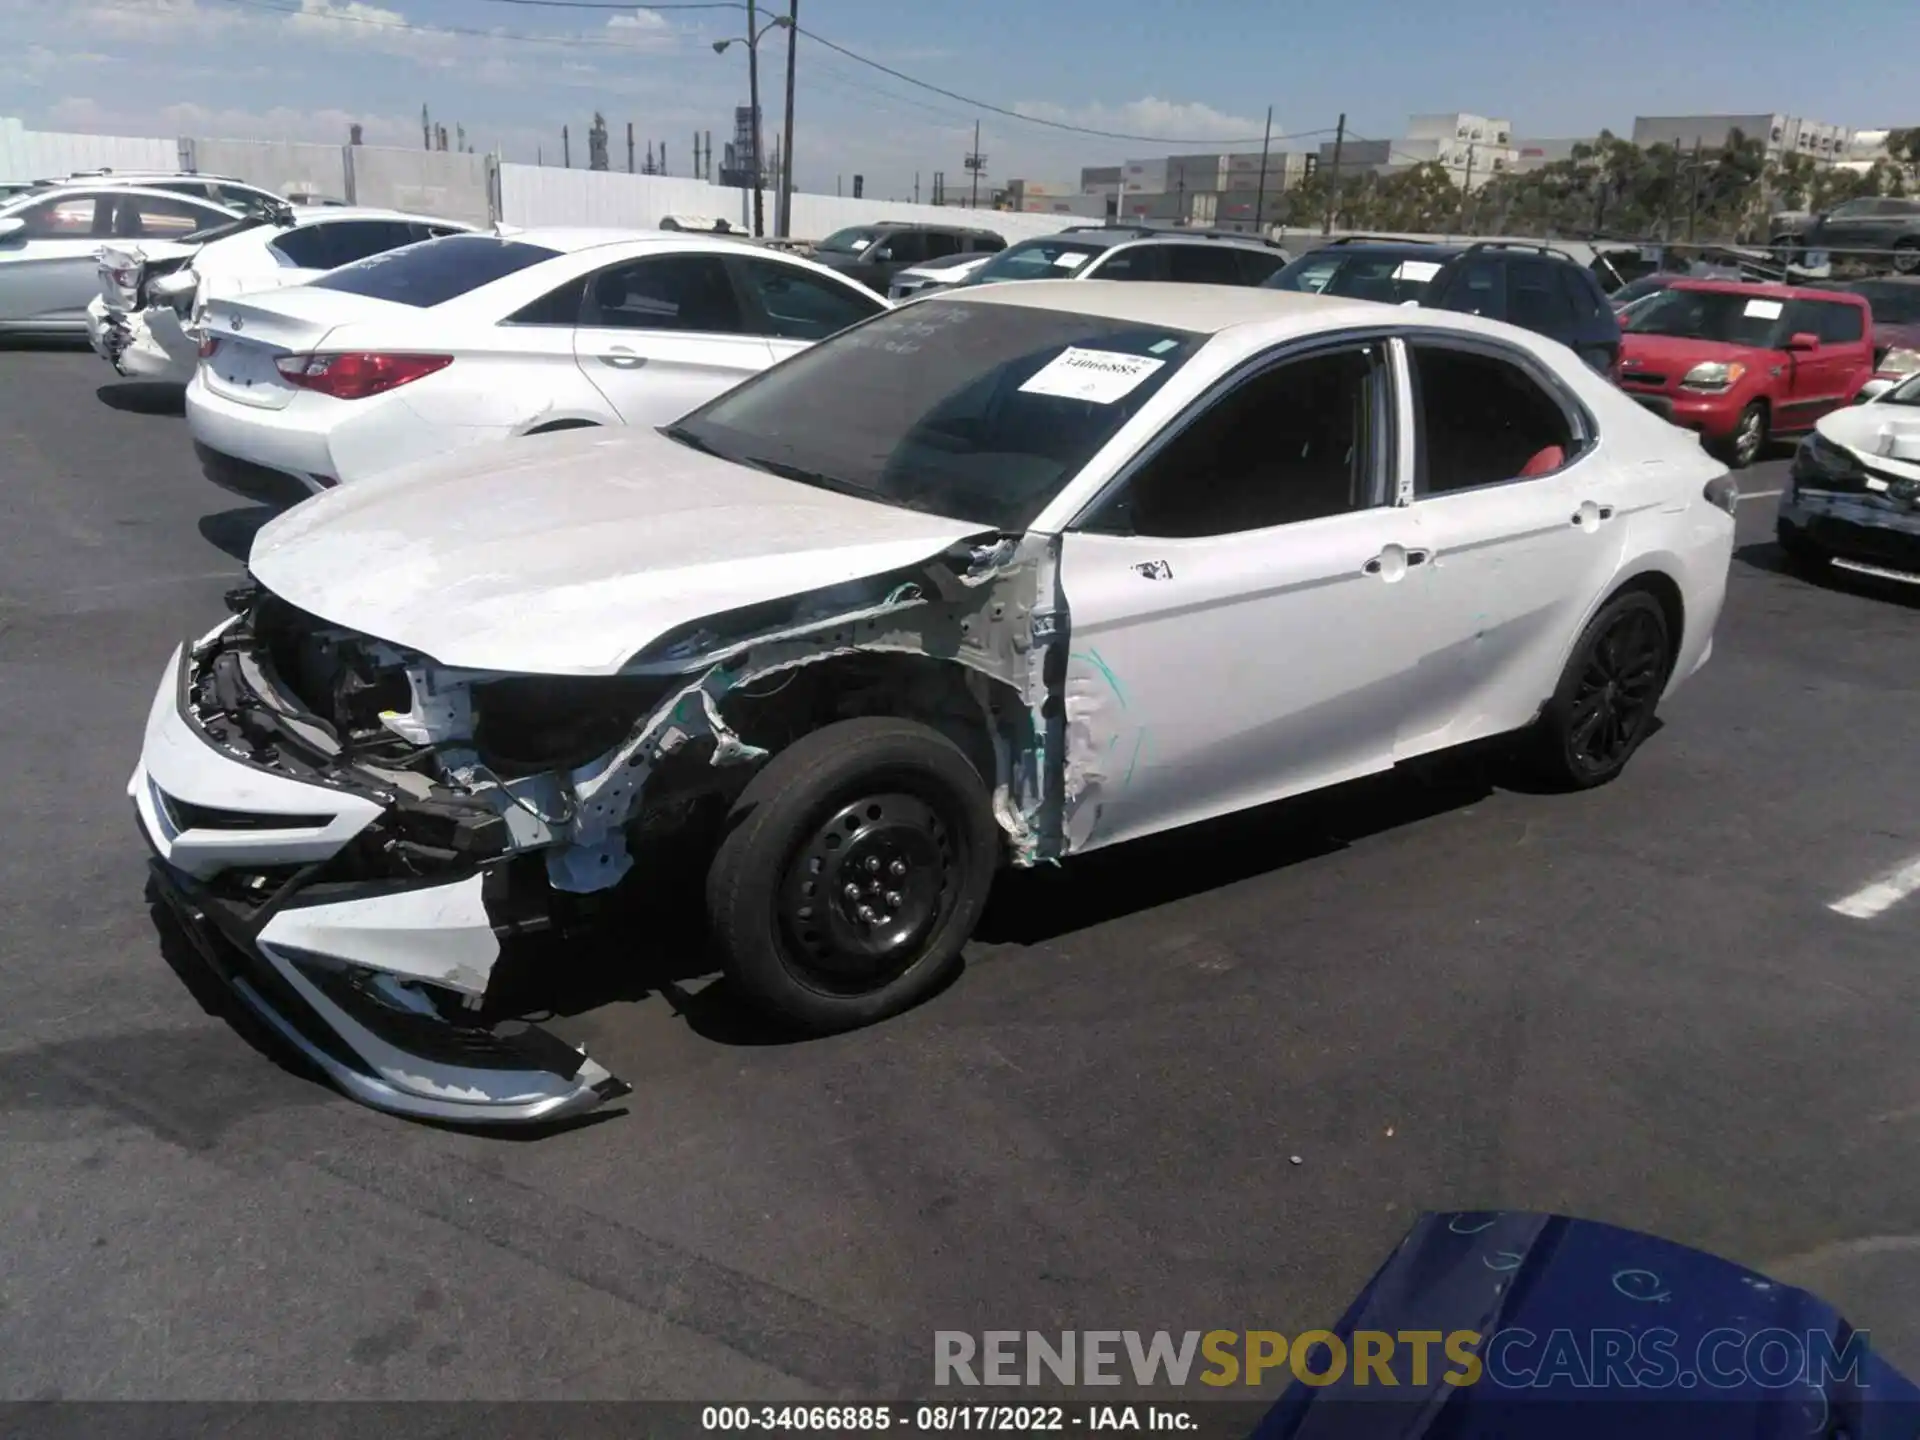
(566,554)
(1888,435)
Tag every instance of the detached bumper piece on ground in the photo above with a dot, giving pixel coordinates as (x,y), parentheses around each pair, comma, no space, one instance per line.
(360,926)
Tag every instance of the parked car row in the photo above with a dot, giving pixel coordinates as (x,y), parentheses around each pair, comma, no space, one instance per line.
(851,604)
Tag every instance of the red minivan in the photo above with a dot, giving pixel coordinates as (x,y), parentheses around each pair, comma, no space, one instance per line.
(1740,363)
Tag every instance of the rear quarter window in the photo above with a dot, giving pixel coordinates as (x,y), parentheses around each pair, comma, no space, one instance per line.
(436,271)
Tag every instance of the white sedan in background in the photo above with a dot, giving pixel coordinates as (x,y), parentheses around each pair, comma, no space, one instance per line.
(50,247)
(145,320)
(478,338)
(1003,576)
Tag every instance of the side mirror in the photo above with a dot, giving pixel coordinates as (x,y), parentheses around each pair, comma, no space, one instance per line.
(881,256)
(1803,341)
(11,225)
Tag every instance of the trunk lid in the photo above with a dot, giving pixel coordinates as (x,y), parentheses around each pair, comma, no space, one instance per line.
(566,554)
(251,333)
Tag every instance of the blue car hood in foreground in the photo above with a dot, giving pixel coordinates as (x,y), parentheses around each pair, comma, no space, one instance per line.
(1586,1330)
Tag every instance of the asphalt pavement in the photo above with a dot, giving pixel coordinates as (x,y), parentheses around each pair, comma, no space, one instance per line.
(1633,1005)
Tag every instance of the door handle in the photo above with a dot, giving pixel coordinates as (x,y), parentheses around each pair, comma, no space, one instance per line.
(1393,562)
(623,359)
(1589,509)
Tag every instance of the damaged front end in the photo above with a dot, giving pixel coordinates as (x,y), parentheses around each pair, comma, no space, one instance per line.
(350,830)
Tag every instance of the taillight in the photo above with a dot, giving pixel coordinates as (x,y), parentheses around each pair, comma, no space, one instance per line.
(209,344)
(356,376)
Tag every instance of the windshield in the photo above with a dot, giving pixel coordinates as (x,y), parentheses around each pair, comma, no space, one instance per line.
(434,271)
(1639,289)
(1731,318)
(1037,260)
(849,242)
(1394,277)
(1907,393)
(977,412)
(1891,304)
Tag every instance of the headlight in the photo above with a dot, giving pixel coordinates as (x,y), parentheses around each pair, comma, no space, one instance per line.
(1899,362)
(1819,464)
(1713,375)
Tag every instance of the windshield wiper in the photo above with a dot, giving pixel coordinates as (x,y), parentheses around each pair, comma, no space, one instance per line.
(805,476)
(692,441)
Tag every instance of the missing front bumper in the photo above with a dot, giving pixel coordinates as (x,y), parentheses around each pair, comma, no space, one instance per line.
(404,1059)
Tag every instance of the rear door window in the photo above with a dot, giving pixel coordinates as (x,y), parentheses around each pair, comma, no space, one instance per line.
(437,271)
(1583,293)
(1535,299)
(156,217)
(1202,265)
(1839,324)
(1256,267)
(1137,262)
(796,304)
(941,242)
(665,292)
(1474,288)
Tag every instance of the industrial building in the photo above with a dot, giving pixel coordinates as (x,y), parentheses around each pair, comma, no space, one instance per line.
(1780,134)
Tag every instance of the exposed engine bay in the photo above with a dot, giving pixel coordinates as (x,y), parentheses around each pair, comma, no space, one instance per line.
(483,803)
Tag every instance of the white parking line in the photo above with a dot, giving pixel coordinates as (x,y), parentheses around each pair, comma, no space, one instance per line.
(1760,494)
(1889,890)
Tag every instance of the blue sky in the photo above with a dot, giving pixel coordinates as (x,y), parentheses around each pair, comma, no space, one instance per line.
(1200,73)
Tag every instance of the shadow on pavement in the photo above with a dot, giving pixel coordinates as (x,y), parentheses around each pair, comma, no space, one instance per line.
(232,531)
(145,397)
(1767,556)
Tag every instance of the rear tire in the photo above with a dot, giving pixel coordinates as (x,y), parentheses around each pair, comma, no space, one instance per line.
(1603,707)
(855,866)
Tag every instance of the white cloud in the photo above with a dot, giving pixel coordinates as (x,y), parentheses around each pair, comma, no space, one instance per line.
(1184,121)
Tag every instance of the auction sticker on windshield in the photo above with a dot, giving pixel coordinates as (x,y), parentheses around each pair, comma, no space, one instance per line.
(1070,259)
(1102,376)
(1764,309)
(1416,270)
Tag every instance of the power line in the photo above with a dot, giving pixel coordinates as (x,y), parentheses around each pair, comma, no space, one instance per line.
(327,16)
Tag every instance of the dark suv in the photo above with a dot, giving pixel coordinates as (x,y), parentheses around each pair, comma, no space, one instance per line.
(1535,287)
(872,254)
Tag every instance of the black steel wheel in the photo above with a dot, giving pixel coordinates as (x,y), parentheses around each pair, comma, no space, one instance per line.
(864,890)
(1604,705)
(855,866)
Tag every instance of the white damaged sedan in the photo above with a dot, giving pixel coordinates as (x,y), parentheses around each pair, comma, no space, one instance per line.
(999,578)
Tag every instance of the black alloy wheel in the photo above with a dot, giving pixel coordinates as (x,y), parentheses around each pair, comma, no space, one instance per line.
(1604,704)
(1614,699)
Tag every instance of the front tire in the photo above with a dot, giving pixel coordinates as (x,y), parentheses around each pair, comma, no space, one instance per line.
(1604,704)
(1749,437)
(855,866)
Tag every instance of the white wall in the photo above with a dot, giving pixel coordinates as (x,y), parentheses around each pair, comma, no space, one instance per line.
(551,195)
(41,154)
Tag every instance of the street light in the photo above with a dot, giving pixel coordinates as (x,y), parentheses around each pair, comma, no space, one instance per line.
(752,40)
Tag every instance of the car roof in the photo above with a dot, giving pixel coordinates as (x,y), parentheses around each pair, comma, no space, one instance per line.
(331,214)
(88,187)
(569,238)
(1204,309)
(1763,291)
(1429,248)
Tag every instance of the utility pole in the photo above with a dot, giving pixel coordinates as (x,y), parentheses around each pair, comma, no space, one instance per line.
(753,103)
(1333,185)
(1260,194)
(1466,189)
(916,187)
(629,147)
(426,130)
(976,162)
(786,157)
(1693,190)
(566,148)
